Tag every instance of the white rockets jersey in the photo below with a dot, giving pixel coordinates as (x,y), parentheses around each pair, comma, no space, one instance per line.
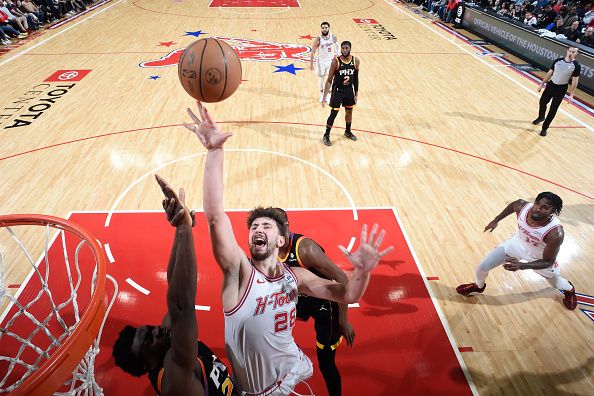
(531,239)
(326,50)
(259,331)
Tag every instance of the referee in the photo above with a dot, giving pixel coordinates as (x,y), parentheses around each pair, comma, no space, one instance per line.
(557,80)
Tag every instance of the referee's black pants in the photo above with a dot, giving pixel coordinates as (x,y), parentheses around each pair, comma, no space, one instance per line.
(556,93)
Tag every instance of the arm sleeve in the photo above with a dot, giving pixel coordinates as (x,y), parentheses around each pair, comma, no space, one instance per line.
(577,70)
(554,63)
(356,81)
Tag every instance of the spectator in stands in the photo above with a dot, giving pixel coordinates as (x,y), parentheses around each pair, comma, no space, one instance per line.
(517,12)
(546,17)
(558,7)
(441,9)
(504,10)
(581,11)
(558,27)
(19,23)
(32,23)
(589,17)
(451,10)
(52,8)
(571,17)
(530,20)
(28,7)
(7,30)
(588,38)
(573,33)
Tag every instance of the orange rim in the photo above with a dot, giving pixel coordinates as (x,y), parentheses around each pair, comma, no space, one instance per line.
(57,368)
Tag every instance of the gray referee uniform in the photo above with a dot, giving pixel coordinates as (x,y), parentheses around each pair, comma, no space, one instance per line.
(555,90)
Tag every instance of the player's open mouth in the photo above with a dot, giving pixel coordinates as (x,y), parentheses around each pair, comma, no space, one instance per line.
(259,241)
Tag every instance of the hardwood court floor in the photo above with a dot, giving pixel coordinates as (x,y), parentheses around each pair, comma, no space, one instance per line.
(444,137)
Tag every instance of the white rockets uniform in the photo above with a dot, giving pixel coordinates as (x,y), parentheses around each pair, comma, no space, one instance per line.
(326,52)
(259,336)
(528,242)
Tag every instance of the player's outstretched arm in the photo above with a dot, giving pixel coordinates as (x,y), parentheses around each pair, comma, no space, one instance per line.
(313,257)
(514,207)
(181,296)
(331,72)
(225,248)
(364,260)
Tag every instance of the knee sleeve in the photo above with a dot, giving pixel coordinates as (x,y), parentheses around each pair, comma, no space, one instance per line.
(333,114)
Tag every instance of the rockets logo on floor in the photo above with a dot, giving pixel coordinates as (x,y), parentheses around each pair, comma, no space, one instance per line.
(255,50)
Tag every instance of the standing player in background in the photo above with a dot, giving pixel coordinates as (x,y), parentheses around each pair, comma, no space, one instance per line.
(343,77)
(330,318)
(534,246)
(327,46)
(557,81)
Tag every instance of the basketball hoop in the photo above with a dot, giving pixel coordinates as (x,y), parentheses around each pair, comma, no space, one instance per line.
(51,327)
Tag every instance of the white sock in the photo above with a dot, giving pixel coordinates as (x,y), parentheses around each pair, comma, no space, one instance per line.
(322,82)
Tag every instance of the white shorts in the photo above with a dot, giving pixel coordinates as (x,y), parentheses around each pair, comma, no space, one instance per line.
(323,67)
(301,372)
(512,249)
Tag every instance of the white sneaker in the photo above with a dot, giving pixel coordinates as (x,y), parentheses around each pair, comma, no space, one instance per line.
(321,97)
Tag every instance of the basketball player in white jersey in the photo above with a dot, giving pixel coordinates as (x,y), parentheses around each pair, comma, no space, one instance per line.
(534,246)
(327,46)
(259,294)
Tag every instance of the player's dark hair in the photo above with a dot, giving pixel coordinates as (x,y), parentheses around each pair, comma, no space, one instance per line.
(285,218)
(271,213)
(347,43)
(554,199)
(324,23)
(123,356)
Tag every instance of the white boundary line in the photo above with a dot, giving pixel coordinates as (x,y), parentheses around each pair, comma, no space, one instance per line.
(201,307)
(59,33)
(479,58)
(155,170)
(137,287)
(442,318)
(108,252)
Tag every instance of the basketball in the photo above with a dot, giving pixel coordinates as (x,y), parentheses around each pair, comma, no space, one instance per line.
(209,70)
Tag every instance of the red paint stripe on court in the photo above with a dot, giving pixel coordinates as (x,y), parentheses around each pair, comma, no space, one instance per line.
(14,286)
(312,125)
(433,278)
(585,299)
(465,349)
(253,16)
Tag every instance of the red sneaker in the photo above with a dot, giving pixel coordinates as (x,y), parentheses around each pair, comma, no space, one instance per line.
(570,300)
(468,289)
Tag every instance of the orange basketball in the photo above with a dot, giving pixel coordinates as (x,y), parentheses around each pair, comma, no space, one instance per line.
(209,70)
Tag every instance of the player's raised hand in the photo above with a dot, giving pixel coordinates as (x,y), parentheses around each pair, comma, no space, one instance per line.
(175,206)
(491,226)
(206,129)
(367,256)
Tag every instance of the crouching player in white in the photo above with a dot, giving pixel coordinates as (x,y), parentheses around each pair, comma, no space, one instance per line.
(535,246)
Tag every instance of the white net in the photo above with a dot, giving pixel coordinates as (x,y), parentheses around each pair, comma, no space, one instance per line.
(41,313)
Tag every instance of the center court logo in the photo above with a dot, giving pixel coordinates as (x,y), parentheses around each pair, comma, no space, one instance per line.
(374,29)
(37,100)
(255,50)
